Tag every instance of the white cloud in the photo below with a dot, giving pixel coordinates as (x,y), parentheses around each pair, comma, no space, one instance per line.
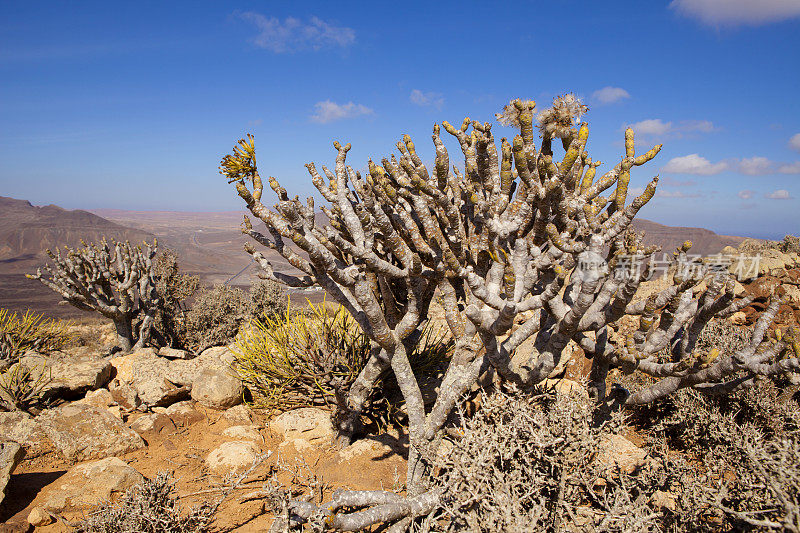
(676,194)
(694,164)
(703,126)
(426,99)
(328,111)
(790,168)
(746,194)
(737,12)
(293,35)
(656,126)
(755,166)
(652,126)
(609,95)
(794,142)
(780,194)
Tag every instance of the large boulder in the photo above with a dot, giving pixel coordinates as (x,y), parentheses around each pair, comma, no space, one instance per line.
(82,432)
(184,414)
(89,484)
(21,428)
(11,454)
(145,378)
(71,375)
(174,353)
(308,423)
(232,456)
(153,424)
(217,388)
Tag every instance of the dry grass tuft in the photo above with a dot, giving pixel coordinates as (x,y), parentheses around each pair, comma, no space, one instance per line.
(31,331)
(301,359)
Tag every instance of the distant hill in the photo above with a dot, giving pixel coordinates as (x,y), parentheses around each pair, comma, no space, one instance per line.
(208,244)
(704,242)
(26,231)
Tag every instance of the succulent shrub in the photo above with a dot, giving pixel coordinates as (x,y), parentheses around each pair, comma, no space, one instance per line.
(22,388)
(267,300)
(311,357)
(29,331)
(219,312)
(521,243)
(114,279)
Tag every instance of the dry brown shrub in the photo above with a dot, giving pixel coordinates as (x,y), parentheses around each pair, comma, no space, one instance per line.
(529,464)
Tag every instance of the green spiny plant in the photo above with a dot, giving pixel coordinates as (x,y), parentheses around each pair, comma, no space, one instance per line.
(30,331)
(22,388)
(308,358)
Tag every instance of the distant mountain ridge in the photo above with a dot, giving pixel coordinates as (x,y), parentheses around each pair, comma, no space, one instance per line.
(26,231)
(704,241)
(209,244)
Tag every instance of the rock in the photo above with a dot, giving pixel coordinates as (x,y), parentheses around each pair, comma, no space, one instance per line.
(21,428)
(763,287)
(238,415)
(89,484)
(374,448)
(243,433)
(663,500)
(308,423)
(116,411)
(124,395)
(767,264)
(566,387)
(739,318)
(100,398)
(174,353)
(153,424)
(615,451)
(216,356)
(11,453)
(71,376)
(217,388)
(235,455)
(82,432)
(738,290)
(792,293)
(39,517)
(152,377)
(184,414)
(571,350)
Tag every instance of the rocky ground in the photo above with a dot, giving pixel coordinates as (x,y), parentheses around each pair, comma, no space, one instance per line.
(115,420)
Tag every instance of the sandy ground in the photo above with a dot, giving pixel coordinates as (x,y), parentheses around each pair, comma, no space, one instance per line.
(312,472)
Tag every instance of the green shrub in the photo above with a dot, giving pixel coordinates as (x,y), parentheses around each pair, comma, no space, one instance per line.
(215,317)
(150,507)
(218,312)
(22,388)
(30,331)
(267,299)
(173,287)
(301,359)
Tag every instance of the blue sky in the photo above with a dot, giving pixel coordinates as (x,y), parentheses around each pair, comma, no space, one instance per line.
(132,105)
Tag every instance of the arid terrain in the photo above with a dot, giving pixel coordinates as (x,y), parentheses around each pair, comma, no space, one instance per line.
(208,244)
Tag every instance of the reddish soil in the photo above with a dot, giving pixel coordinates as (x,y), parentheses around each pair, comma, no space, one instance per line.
(318,471)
